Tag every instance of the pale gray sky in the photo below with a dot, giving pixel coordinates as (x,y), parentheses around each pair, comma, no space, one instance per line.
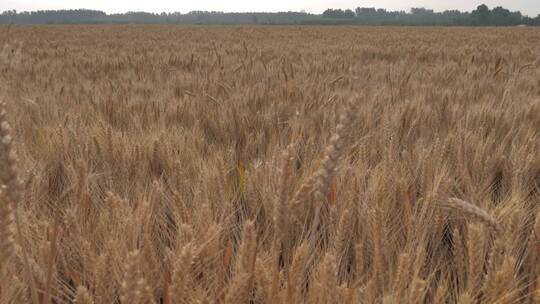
(527,7)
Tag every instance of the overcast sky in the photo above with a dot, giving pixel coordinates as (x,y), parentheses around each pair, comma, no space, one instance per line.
(527,7)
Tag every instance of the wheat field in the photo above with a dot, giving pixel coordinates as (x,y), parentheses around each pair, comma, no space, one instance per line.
(213,164)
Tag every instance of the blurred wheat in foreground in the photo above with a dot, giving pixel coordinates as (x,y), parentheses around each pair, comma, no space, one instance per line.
(164,164)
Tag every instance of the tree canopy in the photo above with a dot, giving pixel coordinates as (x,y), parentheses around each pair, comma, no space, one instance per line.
(481,16)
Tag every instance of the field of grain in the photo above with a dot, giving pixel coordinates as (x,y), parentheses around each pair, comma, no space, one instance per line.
(177,164)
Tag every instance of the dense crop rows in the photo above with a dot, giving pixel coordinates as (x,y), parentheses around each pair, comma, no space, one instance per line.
(164,164)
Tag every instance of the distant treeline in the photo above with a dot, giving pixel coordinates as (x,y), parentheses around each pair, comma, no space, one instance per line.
(482,16)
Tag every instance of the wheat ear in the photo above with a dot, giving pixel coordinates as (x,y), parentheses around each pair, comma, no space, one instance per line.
(281,217)
(181,275)
(10,188)
(83,296)
(241,285)
(133,285)
(333,152)
(476,212)
(10,194)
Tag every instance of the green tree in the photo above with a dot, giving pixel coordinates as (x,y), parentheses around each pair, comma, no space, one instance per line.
(501,16)
(482,15)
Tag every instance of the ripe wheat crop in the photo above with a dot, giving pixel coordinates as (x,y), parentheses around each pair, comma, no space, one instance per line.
(180,164)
